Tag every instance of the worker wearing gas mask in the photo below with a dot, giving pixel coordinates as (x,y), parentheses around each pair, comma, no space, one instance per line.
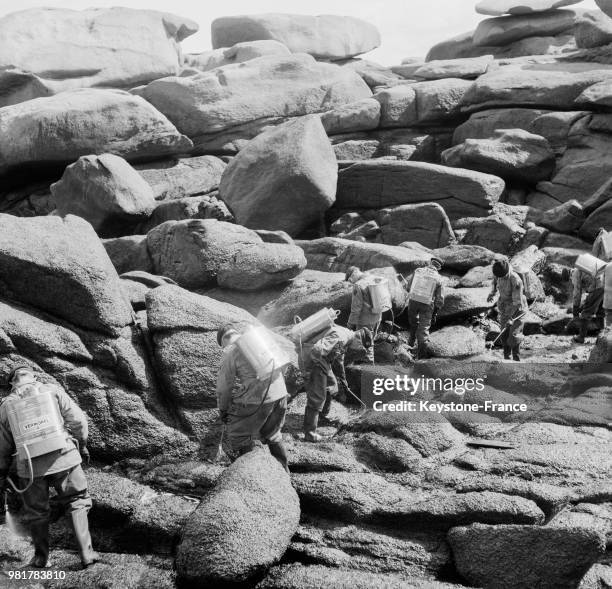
(426,298)
(593,286)
(327,370)
(60,468)
(255,410)
(511,307)
(362,314)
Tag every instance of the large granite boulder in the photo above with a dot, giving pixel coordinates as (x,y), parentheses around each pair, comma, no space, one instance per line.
(461,258)
(260,89)
(285,178)
(334,254)
(498,233)
(467,67)
(60,266)
(386,183)
(424,223)
(524,556)
(465,302)
(180,177)
(17,85)
(184,327)
(512,154)
(600,217)
(605,6)
(553,86)
(205,252)
(508,29)
(105,191)
(363,115)
(59,129)
(423,103)
(502,7)
(111,47)
(243,526)
(325,37)
(238,53)
(593,29)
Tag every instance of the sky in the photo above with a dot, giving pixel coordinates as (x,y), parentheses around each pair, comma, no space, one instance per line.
(408,27)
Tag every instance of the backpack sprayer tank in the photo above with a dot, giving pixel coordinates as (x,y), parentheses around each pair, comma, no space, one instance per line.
(607,303)
(321,321)
(423,287)
(261,351)
(36,423)
(380,295)
(590,264)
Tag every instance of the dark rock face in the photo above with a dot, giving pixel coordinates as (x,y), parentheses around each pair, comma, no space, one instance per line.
(524,556)
(65,258)
(243,526)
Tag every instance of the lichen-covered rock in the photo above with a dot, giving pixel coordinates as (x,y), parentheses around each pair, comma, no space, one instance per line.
(524,556)
(243,526)
(455,341)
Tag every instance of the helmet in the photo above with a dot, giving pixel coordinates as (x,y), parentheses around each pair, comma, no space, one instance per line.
(501,268)
(22,375)
(352,274)
(224,330)
(437,263)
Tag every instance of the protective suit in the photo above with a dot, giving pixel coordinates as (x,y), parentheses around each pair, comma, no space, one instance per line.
(583,282)
(60,469)
(422,311)
(511,306)
(327,370)
(255,409)
(362,313)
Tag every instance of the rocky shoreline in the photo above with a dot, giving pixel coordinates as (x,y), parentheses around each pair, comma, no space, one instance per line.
(149,197)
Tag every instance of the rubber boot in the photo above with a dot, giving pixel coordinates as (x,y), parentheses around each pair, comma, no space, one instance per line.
(80,526)
(507,352)
(515,353)
(277,449)
(311,420)
(326,405)
(40,538)
(584,328)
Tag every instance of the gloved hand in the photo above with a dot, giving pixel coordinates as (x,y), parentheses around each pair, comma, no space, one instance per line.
(576,311)
(490,297)
(85,454)
(509,323)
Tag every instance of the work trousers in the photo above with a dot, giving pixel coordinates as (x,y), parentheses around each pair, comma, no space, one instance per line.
(419,320)
(70,486)
(592,303)
(324,377)
(251,422)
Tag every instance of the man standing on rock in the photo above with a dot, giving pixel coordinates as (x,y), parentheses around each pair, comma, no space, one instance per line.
(327,370)
(255,410)
(426,298)
(43,423)
(362,314)
(511,307)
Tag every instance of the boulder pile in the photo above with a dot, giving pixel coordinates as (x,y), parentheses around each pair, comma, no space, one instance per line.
(148,197)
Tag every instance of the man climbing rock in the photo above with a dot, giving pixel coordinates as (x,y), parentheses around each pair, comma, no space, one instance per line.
(584,282)
(425,299)
(255,410)
(511,307)
(362,313)
(327,371)
(45,426)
